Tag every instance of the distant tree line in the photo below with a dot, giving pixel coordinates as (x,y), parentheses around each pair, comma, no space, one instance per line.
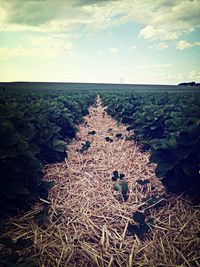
(189,84)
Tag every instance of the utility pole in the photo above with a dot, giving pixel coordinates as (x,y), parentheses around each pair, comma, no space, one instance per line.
(121,80)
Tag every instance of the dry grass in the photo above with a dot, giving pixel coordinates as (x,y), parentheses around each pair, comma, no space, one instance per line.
(87,225)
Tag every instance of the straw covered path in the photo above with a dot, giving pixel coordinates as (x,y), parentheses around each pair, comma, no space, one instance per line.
(87,224)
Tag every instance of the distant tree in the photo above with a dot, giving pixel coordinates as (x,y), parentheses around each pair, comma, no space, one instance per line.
(189,84)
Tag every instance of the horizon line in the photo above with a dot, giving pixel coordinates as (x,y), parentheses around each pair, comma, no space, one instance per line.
(90,83)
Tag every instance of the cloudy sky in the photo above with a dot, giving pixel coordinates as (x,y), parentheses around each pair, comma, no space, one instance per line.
(137,41)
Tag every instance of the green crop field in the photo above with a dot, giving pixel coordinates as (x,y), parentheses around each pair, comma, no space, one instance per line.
(167,124)
(39,121)
(36,126)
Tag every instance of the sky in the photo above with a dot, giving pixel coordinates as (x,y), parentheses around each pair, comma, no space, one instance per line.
(105,41)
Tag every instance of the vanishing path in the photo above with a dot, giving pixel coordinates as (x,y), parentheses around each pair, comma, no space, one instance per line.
(93,222)
(87,225)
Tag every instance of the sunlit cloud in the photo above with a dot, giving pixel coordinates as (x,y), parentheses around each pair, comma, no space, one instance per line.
(41,47)
(181,45)
(159,32)
(166,20)
(194,75)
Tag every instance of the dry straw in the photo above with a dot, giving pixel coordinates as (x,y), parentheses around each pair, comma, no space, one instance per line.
(87,225)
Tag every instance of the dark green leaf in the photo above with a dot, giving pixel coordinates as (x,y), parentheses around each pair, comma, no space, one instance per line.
(115,175)
(121,176)
(117,187)
(133,229)
(143,182)
(124,187)
(139,217)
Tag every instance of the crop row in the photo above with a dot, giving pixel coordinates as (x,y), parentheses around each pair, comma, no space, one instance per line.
(35,128)
(168,125)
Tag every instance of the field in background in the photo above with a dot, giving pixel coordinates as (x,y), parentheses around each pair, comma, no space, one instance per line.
(96,86)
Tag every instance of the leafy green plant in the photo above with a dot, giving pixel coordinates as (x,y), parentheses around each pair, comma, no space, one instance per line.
(142,225)
(36,126)
(177,161)
(108,139)
(85,146)
(166,124)
(116,175)
(119,135)
(121,186)
(92,132)
(117,187)
(154,201)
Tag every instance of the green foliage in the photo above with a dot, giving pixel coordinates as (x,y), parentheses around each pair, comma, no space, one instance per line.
(121,186)
(121,176)
(115,175)
(119,135)
(92,132)
(152,201)
(108,139)
(139,217)
(85,146)
(177,160)
(35,128)
(141,228)
(166,124)
(117,187)
(124,187)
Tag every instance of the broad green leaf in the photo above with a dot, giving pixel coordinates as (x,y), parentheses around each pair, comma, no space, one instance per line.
(117,187)
(124,187)
(17,188)
(139,217)
(171,141)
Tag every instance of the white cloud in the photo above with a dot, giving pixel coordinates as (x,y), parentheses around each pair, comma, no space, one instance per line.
(161,45)
(41,47)
(181,45)
(159,32)
(169,22)
(113,50)
(162,19)
(148,32)
(194,76)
